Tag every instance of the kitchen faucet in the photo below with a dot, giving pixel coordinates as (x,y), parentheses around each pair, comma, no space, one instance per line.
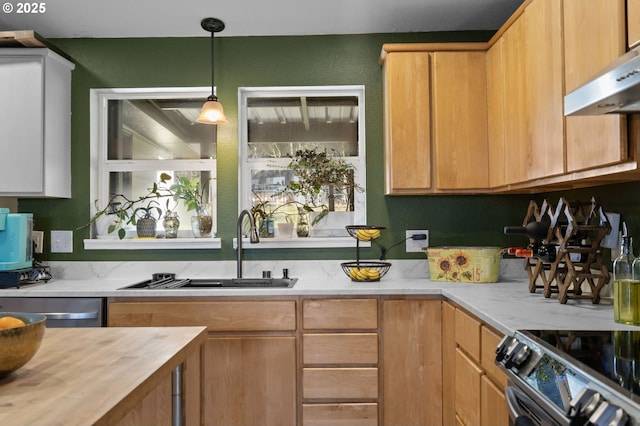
(253,236)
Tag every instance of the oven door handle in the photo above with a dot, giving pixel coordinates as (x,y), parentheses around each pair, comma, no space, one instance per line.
(512,396)
(70,315)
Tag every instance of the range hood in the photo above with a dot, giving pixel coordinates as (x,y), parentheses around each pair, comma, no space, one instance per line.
(615,91)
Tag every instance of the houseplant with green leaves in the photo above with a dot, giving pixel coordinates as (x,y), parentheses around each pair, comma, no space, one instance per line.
(319,177)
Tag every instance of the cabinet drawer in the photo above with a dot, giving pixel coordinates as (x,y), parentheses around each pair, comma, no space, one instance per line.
(272,315)
(348,348)
(340,414)
(490,340)
(340,314)
(340,383)
(467,330)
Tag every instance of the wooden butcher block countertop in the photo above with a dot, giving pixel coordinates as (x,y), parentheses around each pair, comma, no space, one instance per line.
(93,376)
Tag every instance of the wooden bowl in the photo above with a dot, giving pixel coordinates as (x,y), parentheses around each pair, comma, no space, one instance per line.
(18,345)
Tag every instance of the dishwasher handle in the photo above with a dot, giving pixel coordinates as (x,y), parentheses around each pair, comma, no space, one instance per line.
(70,315)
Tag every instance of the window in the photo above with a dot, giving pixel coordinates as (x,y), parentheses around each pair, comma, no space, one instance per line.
(275,123)
(138,134)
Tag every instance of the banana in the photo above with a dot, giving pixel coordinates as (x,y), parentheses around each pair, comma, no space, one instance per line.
(363,235)
(367,234)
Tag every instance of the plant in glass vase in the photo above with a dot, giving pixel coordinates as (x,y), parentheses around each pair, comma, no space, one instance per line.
(191,192)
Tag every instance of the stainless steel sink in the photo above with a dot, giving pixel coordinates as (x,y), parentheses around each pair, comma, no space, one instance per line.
(169,281)
(241,283)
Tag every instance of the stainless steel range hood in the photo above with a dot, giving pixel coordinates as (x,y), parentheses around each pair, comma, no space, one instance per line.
(615,91)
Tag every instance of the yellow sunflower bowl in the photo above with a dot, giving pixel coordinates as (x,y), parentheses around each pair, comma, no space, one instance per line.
(20,340)
(464,264)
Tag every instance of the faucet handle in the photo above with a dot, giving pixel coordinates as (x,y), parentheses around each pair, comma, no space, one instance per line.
(266,274)
(285,273)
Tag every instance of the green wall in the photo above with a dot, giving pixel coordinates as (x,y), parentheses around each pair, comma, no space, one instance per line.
(277,61)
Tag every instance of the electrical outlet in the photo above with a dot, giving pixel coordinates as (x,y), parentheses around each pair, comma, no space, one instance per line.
(61,241)
(38,241)
(414,246)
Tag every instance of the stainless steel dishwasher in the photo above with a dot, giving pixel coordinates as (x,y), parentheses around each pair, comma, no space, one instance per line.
(60,311)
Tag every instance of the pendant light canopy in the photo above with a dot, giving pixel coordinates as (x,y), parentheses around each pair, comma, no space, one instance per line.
(212,111)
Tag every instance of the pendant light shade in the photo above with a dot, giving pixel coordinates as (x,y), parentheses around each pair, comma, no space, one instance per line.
(212,111)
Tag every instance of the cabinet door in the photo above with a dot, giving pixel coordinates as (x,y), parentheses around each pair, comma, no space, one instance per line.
(534,124)
(21,125)
(543,88)
(467,383)
(460,120)
(494,409)
(633,23)
(516,155)
(249,381)
(448,364)
(594,35)
(407,147)
(496,114)
(412,357)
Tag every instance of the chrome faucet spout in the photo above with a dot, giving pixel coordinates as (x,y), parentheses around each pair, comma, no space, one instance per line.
(253,237)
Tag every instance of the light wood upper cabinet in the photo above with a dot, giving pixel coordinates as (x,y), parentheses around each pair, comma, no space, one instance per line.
(407,105)
(435,119)
(541,76)
(496,111)
(633,23)
(594,35)
(460,120)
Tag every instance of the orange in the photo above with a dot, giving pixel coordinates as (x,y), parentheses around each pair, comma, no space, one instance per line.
(11,322)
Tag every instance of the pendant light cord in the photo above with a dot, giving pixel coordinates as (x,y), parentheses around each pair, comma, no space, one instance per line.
(213,93)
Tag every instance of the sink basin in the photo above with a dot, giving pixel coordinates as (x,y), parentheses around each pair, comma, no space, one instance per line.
(241,283)
(169,281)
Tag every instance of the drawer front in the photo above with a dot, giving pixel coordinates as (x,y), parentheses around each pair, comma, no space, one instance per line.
(340,383)
(347,348)
(490,340)
(340,314)
(467,331)
(365,414)
(271,315)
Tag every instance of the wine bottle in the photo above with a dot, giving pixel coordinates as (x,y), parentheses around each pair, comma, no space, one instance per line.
(534,230)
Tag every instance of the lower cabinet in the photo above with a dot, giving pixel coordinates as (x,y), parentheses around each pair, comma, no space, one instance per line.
(412,354)
(340,362)
(356,361)
(473,382)
(248,362)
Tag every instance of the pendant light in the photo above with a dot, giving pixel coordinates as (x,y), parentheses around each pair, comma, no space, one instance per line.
(212,111)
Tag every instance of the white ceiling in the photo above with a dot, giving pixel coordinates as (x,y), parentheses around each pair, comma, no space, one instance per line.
(162,18)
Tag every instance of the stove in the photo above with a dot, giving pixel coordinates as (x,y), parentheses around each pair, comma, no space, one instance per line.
(20,277)
(562,377)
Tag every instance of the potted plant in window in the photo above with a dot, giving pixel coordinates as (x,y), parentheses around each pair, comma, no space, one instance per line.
(320,179)
(122,210)
(191,192)
(144,219)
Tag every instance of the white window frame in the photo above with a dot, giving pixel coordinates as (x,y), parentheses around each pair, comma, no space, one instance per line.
(244,171)
(101,166)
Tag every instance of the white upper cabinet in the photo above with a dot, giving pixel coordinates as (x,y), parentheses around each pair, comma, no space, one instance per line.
(35,123)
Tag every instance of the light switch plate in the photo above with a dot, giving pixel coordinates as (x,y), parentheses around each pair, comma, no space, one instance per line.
(611,240)
(61,241)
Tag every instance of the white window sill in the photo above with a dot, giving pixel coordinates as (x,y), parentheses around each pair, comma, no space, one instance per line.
(216,243)
(152,244)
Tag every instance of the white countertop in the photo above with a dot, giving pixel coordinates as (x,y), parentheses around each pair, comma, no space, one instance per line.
(506,305)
